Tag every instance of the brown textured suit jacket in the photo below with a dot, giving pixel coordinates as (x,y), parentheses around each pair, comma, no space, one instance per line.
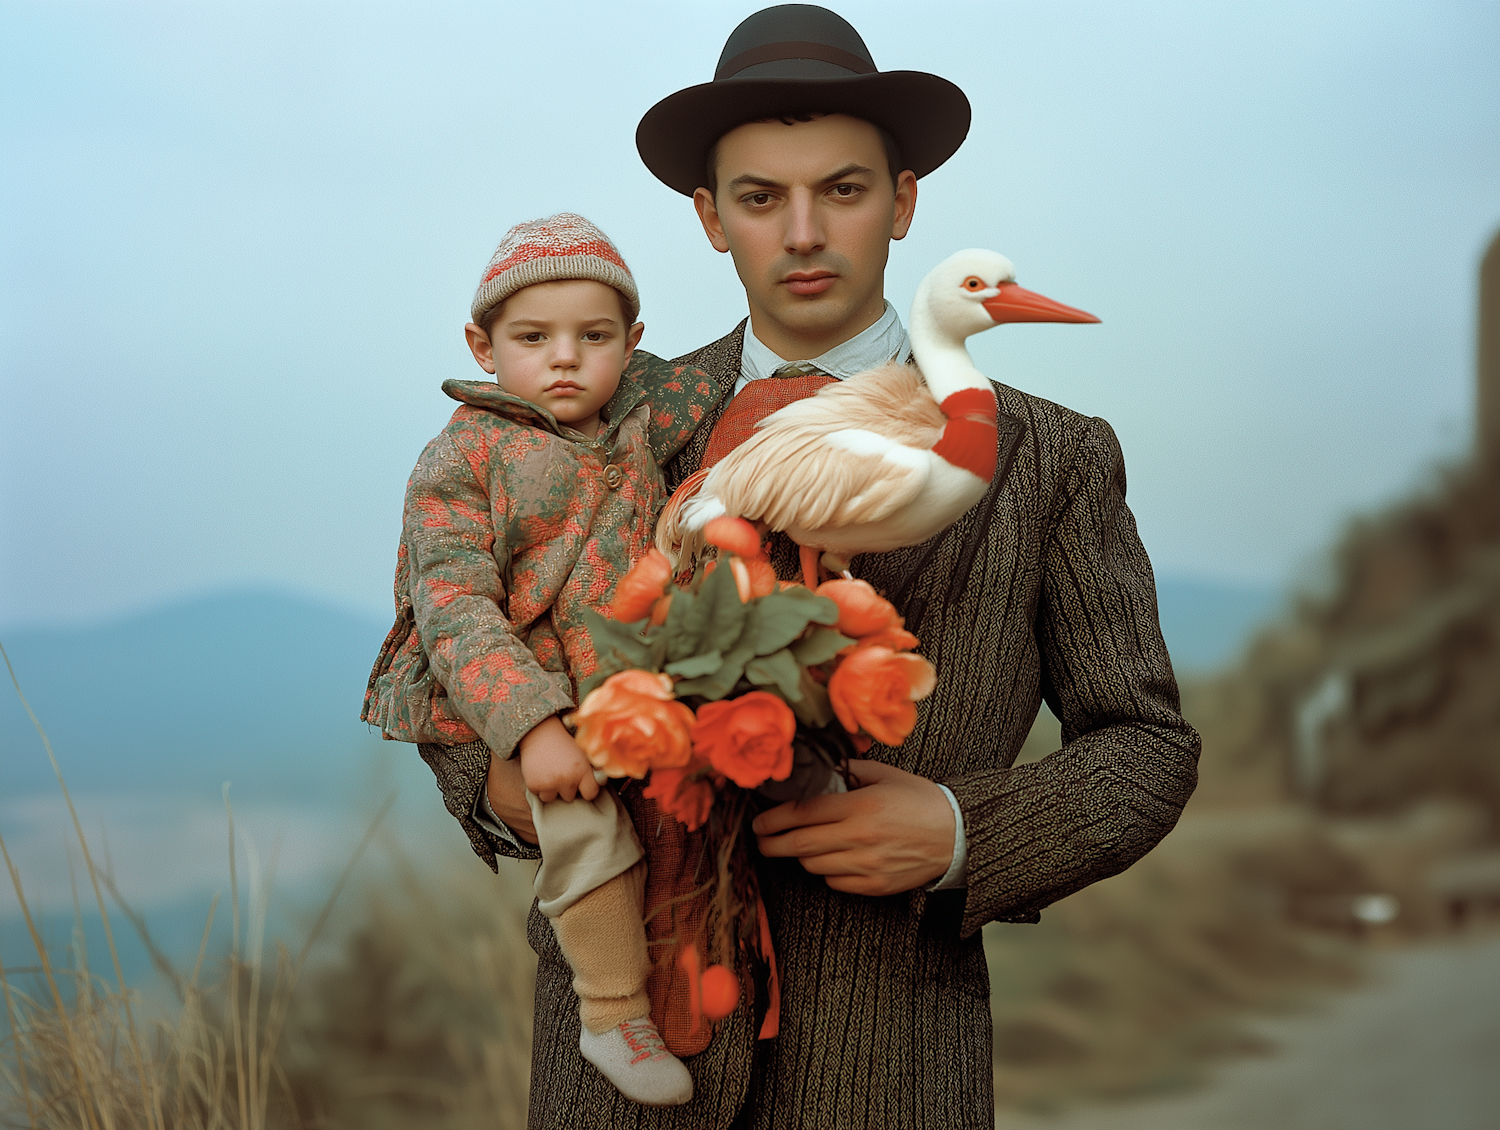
(1043,590)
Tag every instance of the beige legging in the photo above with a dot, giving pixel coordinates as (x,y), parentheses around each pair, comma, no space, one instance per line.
(591,884)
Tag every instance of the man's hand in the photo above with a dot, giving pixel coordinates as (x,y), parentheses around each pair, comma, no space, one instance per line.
(507,796)
(893,834)
(553,766)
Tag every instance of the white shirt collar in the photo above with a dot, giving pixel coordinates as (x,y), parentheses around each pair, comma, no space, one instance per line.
(884,341)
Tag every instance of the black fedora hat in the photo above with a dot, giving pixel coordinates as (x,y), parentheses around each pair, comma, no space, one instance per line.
(798,58)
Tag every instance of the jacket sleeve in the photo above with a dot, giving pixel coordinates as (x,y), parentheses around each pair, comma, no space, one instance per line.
(461,771)
(1038,832)
(493,680)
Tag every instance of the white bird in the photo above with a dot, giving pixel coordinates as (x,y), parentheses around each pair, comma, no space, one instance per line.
(887,458)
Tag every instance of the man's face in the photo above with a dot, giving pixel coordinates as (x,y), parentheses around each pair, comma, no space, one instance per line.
(808,212)
(560,345)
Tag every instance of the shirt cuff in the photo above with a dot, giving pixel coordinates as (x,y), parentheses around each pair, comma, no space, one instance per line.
(957,875)
(485,817)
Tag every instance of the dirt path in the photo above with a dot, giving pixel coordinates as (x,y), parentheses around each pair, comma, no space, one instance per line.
(1417,1049)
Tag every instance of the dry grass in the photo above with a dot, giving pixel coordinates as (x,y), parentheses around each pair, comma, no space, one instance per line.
(79,1054)
(422,1013)
(418,1014)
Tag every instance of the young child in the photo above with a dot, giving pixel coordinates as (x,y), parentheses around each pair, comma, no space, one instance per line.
(536,498)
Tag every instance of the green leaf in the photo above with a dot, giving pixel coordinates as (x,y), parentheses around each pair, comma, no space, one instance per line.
(724,620)
(783,616)
(621,642)
(775,622)
(682,629)
(722,681)
(696,665)
(709,617)
(779,670)
(813,708)
(821,645)
(621,647)
(658,639)
(822,610)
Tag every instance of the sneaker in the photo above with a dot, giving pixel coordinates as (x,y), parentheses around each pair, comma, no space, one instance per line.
(631,1055)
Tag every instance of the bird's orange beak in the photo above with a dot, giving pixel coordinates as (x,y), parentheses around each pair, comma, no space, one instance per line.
(1017,304)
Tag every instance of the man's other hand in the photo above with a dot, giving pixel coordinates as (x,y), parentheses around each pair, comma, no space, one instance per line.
(507,796)
(892,834)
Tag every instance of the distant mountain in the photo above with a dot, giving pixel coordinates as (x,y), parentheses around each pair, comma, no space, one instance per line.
(1206,623)
(259,685)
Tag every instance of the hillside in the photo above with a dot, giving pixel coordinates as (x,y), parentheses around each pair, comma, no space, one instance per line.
(261,687)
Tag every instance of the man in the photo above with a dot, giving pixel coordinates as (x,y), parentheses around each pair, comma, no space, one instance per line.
(802,160)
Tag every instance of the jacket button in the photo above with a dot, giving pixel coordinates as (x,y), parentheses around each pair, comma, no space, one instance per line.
(613,477)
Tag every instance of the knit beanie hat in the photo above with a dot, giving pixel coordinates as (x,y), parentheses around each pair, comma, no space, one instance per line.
(564,246)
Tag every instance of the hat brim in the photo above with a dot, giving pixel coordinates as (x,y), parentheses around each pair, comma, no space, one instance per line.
(927,115)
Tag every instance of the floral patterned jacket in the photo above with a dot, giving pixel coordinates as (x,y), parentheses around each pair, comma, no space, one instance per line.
(513,525)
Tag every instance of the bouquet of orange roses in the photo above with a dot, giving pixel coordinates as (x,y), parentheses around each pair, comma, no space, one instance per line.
(734,691)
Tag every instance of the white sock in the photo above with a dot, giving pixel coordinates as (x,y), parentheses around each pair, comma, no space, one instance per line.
(631,1055)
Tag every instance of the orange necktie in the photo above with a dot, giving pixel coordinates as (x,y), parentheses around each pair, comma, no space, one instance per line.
(757,401)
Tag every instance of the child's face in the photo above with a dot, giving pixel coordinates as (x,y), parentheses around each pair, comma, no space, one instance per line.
(560,345)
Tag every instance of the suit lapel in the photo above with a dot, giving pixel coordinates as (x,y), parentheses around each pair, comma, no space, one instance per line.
(721,361)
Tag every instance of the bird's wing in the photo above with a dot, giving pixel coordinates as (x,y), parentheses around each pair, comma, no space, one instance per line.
(675,535)
(855,452)
(794,475)
(892,400)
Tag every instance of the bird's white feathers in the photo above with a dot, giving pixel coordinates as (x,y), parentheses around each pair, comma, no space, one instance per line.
(854,452)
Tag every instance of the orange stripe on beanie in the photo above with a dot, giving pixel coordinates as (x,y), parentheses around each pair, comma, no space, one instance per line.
(564,246)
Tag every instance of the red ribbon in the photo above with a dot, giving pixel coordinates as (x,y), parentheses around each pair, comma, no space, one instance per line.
(771,1026)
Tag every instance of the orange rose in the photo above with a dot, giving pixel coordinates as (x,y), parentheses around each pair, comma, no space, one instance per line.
(896,638)
(642,587)
(762,577)
(631,723)
(877,689)
(862,610)
(753,578)
(748,739)
(688,801)
(733,535)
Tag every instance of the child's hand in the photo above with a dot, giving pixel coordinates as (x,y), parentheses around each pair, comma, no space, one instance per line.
(553,766)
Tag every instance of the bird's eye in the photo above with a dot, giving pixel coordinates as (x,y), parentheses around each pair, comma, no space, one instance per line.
(973,282)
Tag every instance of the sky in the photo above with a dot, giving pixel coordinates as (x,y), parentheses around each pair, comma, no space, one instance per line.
(238,243)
